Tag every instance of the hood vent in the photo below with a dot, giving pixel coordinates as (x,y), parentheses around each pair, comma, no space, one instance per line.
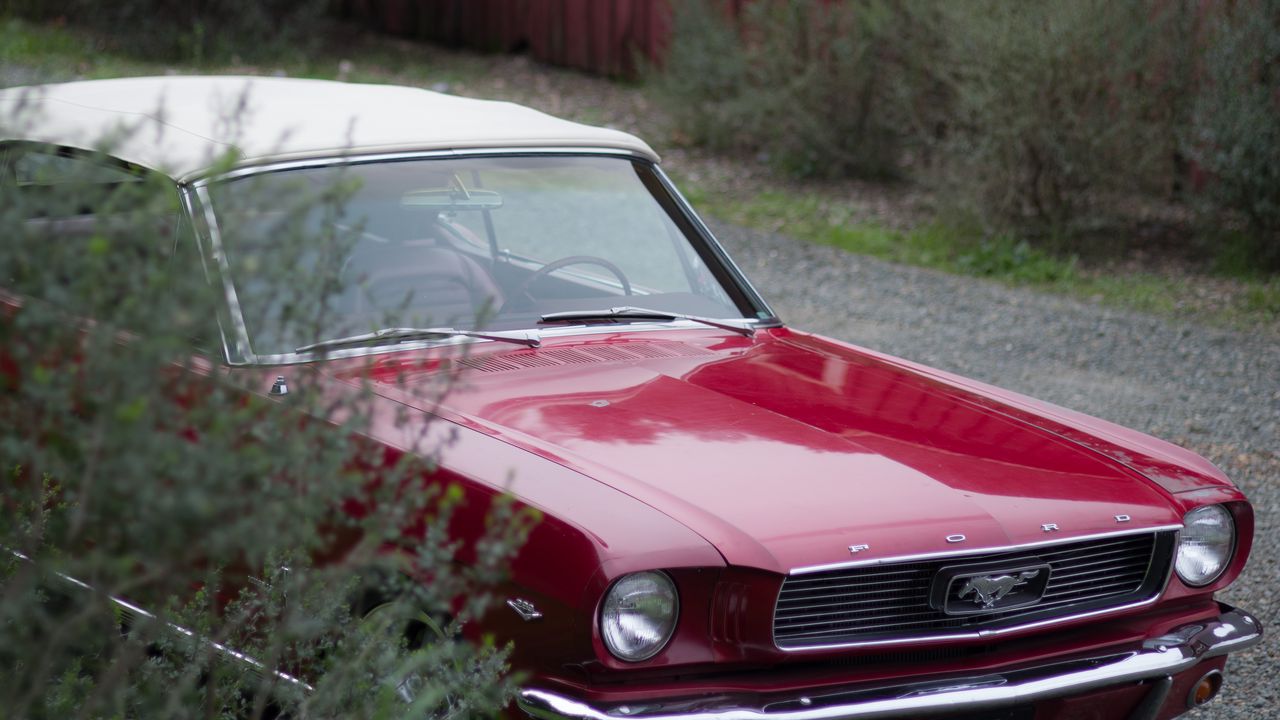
(582,355)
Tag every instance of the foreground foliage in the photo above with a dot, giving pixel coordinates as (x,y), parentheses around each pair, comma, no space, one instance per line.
(135,470)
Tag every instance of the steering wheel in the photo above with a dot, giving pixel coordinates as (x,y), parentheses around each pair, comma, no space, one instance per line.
(522,292)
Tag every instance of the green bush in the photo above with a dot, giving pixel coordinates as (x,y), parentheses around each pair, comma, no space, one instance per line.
(1236,132)
(195,30)
(1064,110)
(134,464)
(1045,120)
(819,89)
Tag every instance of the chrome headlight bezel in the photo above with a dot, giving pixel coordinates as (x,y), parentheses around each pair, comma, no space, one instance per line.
(620,605)
(1208,531)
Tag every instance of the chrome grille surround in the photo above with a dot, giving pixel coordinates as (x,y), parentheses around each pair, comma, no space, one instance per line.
(887,601)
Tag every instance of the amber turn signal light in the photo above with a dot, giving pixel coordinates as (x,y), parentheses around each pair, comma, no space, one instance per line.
(1205,689)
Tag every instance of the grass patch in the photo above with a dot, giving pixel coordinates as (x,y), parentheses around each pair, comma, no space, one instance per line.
(1135,291)
(937,245)
(25,42)
(1263,298)
(45,52)
(1234,299)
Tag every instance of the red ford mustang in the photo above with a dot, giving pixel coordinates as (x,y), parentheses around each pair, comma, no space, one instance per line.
(742,520)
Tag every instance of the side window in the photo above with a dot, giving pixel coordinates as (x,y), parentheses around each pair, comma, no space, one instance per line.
(50,182)
(95,228)
(53,167)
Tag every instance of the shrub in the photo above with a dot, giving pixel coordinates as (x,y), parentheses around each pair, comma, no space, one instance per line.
(1063,109)
(1236,130)
(820,89)
(131,465)
(197,30)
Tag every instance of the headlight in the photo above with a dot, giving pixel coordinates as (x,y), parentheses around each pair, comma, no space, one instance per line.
(1205,544)
(639,615)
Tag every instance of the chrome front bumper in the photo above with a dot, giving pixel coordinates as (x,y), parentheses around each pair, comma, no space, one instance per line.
(1159,659)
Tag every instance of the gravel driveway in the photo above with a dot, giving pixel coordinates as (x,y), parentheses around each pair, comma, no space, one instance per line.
(1214,391)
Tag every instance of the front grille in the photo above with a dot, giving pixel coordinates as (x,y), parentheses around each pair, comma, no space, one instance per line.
(892,601)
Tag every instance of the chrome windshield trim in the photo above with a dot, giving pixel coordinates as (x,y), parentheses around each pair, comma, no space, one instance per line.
(545,332)
(721,254)
(977,551)
(187,195)
(242,348)
(357,157)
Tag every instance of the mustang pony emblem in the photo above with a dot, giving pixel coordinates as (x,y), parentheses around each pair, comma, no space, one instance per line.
(990,588)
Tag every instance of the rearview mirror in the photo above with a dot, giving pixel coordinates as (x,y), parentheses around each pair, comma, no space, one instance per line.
(452,199)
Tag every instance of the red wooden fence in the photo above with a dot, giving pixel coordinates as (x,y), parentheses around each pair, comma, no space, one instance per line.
(608,37)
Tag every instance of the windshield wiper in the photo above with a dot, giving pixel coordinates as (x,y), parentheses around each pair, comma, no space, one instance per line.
(636,313)
(528,338)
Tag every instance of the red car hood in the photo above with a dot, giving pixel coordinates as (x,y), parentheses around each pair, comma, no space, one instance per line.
(784,450)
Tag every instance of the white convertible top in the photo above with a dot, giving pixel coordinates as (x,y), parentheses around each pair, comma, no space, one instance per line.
(180,125)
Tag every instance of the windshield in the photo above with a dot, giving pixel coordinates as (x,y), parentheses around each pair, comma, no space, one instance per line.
(490,243)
